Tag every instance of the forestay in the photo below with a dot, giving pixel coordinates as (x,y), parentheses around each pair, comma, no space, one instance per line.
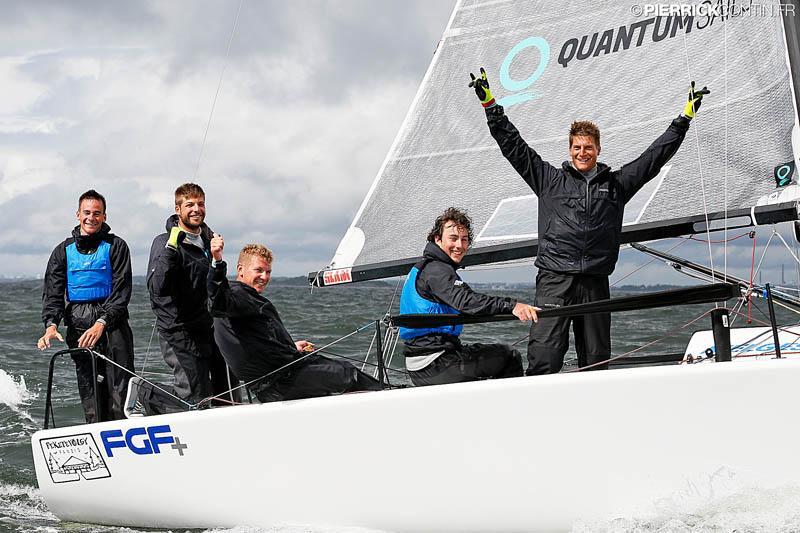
(554,62)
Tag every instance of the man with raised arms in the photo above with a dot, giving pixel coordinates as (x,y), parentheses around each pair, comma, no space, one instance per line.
(256,344)
(176,279)
(436,355)
(88,285)
(581,206)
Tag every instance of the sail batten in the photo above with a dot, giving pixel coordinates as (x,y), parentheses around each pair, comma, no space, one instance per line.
(551,63)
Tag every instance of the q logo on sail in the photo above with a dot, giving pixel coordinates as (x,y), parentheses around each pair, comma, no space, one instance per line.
(784,174)
(521,88)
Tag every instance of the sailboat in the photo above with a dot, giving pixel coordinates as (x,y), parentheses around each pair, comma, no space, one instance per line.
(531,453)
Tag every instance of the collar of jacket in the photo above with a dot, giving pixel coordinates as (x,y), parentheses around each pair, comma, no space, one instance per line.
(89,243)
(602,171)
(433,252)
(248,289)
(205,231)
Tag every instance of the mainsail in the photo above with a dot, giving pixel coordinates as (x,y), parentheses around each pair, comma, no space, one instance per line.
(624,66)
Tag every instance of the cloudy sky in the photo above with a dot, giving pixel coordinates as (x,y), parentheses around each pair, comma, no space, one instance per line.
(116,96)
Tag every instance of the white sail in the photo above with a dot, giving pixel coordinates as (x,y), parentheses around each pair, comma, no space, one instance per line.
(554,62)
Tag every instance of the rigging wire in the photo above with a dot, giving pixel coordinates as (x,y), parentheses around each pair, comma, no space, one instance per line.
(287,365)
(700,165)
(628,353)
(640,267)
(219,86)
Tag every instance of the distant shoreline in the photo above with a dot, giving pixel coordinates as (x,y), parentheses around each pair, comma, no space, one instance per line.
(302,281)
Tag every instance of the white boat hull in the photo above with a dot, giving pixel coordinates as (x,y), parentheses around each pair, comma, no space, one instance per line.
(534,453)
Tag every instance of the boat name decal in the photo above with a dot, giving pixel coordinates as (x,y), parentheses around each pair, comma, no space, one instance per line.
(141,440)
(340,275)
(73,457)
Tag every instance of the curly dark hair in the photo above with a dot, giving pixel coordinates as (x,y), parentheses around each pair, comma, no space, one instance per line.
(451,214)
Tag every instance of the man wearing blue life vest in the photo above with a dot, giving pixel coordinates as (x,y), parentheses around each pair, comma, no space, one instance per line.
(581,206)
(436,356)
(87,284)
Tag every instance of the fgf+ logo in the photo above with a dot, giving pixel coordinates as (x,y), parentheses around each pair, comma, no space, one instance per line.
(141,440)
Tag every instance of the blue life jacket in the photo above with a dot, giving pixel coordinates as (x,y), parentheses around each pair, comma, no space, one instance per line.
(89,276)
(412,303)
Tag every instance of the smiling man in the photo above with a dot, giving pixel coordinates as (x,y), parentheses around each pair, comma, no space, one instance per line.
(436,355)
(581,205)
(88,284)
(257,345)
(176,279)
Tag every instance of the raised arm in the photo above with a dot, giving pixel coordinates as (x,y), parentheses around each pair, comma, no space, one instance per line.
(635,174)
(525,160)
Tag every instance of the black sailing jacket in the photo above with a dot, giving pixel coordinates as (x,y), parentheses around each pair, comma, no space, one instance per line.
(580,220)
(176,280)
(247,327)
(113,310)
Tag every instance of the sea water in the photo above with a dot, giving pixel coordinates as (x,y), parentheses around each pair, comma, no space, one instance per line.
(322,317)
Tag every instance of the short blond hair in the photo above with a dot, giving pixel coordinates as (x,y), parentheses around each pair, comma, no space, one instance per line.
(255,250)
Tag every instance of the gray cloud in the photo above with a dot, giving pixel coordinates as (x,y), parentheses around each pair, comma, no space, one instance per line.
(115,96)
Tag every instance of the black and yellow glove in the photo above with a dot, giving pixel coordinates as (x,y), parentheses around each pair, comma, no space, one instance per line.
(481,86)
(695,99)
(176,236)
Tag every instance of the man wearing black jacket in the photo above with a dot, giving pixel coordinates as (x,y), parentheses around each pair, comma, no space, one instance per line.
(255,342)
(88,284)
(436,355)
(581,207)
(176,279)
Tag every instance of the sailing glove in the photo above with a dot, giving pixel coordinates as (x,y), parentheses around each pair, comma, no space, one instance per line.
(176,236)
(481,86)
(695,99)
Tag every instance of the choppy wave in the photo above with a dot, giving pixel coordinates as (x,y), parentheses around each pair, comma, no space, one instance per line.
(23,508)
(753,510)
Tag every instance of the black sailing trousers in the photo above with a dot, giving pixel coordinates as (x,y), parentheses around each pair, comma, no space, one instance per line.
(549,338)
(470,362)
(112,381)
(198,367)
(313,377)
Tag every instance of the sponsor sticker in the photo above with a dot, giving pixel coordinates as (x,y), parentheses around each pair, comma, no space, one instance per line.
(73,458)
(334,277)
(148,440)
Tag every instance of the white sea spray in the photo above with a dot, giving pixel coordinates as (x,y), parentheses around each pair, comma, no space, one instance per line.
(14,392)
(774,510)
